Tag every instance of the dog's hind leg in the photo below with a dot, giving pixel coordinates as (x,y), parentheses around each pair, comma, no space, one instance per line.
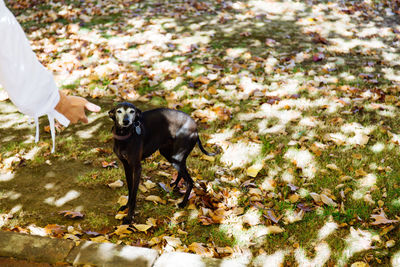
(189,183)
(167,153)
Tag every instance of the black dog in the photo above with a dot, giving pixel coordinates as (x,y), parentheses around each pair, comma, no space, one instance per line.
(137,135)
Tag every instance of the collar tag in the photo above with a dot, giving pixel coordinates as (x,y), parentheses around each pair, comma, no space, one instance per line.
(138,130)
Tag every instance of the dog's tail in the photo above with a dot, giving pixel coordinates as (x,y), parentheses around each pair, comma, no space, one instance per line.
(202,148)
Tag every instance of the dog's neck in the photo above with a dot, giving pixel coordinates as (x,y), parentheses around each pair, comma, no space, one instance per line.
(122,133)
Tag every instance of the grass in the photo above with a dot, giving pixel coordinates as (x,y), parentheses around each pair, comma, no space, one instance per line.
(77,163)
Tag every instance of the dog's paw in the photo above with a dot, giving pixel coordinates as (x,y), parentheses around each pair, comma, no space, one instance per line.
(127,220)
(182,205)
(122,208)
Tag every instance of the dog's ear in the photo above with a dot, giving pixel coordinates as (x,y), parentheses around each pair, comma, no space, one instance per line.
(138,113)
(111,114)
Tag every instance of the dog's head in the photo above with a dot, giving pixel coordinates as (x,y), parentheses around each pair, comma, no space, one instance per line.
(125,114)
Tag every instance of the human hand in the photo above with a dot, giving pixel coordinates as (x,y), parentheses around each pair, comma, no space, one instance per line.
(73,107)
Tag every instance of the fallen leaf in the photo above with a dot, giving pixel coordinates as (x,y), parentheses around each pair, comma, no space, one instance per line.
(361,172)
(120,215)
(164,187)
(142,227)
(381,219)
(332,167)
(390,243)
(116,184)
(327,200)
(122,231)
(253,170)
(274,229)
(112,164)
(201,79)
(54,229)
(72,214)
(156,199)
(294,198)
(199,249)
(316,197)
(123,200)
(271,216)
(173,241)
(151,221)
(359,264)
(149,184)
(100,239)
(209,158)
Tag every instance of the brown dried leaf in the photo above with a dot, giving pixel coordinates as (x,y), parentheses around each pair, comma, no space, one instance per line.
(72,214)
(381,219)
(327,200)
(54,229)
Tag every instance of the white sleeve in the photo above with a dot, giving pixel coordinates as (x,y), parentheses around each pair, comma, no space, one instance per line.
(29,84)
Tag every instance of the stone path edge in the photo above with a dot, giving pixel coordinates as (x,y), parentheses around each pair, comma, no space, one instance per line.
(54,250)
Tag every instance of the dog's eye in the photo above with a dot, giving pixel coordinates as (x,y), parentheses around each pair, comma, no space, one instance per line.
(119,111)
(132,111)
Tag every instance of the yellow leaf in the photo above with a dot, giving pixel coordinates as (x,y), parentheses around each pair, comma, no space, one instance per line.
(143,188)
(123,200)
(361,172)
(273,229)
(360,264)
(151,221)
(122,230)
(156,199)
(142,227)
(181,232)
(100,239)
(120,215)
(253,170)
(149,184)
(155,240)
(212,90)
(209,158)
(164,174)
(294,198)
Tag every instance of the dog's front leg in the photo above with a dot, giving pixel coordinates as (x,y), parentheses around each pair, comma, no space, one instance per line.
(137,169)
(128,176)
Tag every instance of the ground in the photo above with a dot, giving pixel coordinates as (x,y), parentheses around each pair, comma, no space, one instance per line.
(300,98)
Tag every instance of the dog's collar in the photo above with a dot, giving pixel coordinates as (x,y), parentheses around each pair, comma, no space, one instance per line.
(137,128)
(121,137)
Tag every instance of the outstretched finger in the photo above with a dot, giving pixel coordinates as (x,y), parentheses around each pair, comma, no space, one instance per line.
(92,107)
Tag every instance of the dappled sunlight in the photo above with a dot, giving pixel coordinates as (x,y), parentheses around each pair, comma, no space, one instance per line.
(300,99)
(358,240)
(395,260)
(6,176)
(322,255)
(329,228)
(12,195)
(364,186)
(89,132)
(274,260)
(303,160)
(71,195)
(239,154)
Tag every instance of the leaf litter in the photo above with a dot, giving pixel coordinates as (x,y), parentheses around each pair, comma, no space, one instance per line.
(212,81)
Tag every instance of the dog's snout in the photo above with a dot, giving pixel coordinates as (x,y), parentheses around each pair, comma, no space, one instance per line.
(126,121)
